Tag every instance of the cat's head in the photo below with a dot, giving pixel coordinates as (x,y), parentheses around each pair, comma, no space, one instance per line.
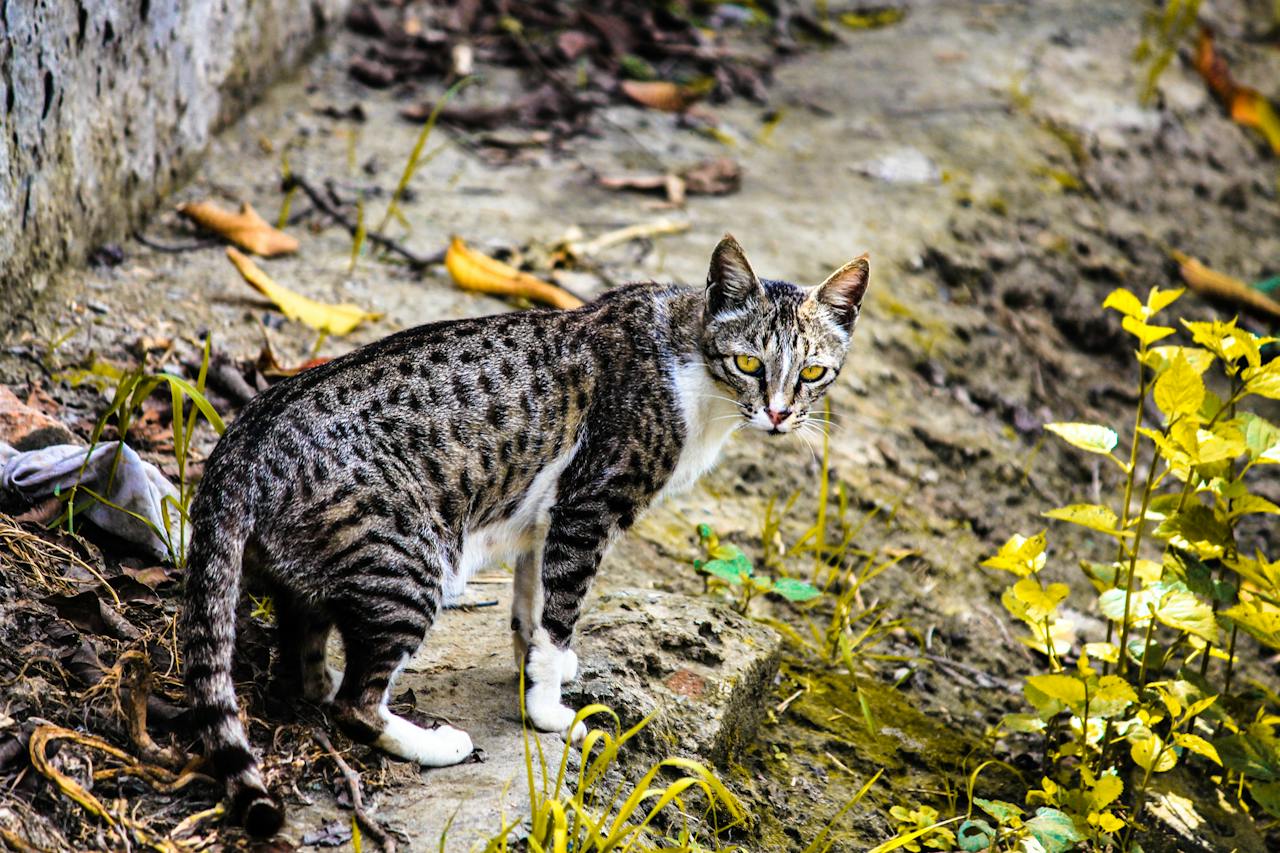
(775,346)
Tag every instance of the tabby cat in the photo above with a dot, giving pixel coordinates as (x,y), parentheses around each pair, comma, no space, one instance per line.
(363,493)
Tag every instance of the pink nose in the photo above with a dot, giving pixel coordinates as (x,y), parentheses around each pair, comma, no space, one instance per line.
(777,417)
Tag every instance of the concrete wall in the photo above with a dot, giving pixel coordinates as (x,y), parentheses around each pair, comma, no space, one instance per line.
(104,104)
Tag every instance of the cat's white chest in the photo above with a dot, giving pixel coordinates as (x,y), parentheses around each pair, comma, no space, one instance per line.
(709,419)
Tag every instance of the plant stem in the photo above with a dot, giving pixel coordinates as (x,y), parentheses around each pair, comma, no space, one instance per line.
(1133,563)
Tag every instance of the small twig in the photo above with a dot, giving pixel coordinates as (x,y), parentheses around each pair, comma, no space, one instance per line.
(175,249)
(371,826)
(318,199)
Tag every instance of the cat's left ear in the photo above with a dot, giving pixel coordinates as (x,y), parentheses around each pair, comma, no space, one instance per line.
(842,291)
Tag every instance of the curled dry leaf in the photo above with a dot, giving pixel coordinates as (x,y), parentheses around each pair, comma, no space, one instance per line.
(246,229)
(661,95)
(718,176)
(472,270)
(322,316)
(1218,285)
(1247,106)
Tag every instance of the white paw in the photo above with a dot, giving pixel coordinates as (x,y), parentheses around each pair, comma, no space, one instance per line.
(438,747)
(568,665)
(547,714)
(335,681)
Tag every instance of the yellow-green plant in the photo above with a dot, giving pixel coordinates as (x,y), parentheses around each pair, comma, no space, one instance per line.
(1176,594)
(131,388)
(584,813)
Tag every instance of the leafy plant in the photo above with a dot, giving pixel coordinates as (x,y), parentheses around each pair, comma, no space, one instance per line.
(1176,594)
(725,565)
(131,388)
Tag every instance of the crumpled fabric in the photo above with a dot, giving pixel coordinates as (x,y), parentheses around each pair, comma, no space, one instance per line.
(138,487)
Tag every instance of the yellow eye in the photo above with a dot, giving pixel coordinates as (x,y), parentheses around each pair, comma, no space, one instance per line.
(813,373)
(748,364)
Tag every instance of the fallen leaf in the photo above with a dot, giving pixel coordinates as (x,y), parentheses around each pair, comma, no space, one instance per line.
(246,229)
(718,176)
(661,95)
(1219,285)
(472,270)
(322,316)
(1247,106)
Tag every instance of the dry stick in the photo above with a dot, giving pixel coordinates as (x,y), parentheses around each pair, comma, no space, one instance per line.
(318,199)
(371,826)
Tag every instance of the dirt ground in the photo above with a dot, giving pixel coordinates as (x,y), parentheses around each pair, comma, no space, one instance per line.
(994,159)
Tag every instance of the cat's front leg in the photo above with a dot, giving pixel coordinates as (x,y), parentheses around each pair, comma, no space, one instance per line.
(576,540)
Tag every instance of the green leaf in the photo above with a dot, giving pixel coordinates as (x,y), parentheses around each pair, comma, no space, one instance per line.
(1179,390)
(1172,604)
(1262,438)
(1251,753)
(1268,796)
(1092,516)
(1024,723)
(1091,437)
(975,835)
(1196,529)
(733,572)
(1004,813)
(1125,302)
(1147,334)
(1055,830)
(795,590)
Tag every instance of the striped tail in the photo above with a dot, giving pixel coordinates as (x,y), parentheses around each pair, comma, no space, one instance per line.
(208,630)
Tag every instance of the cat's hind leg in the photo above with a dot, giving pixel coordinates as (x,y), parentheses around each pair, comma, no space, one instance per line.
(303,632)
(383,616)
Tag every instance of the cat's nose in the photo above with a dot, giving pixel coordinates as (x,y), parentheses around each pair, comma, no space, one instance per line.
(777,417)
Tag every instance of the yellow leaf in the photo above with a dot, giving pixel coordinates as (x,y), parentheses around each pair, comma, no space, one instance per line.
(1149,753)
(1199,746)
(1111,697)
(1218,285)
(1179,390)
(246,229)
(1044,690)
(1020,555)
(1144,332)
(472,270)
(1158,300)
(1109,823)
(1125,302)
(322,316)
(1090,437)
(1264,381)
(1159,358)
(1092,516)
(1034,603)
(1104,793)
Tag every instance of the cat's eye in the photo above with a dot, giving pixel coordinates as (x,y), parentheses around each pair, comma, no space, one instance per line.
(813,373)
(748,364)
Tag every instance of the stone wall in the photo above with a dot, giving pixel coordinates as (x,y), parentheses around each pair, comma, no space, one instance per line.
(105,104)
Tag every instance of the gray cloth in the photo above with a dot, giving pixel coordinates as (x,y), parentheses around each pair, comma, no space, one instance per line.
(138,487)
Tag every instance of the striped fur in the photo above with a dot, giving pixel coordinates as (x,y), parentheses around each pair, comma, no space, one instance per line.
(363,492)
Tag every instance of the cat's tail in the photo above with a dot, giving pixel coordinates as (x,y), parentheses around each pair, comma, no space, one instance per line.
(208,631)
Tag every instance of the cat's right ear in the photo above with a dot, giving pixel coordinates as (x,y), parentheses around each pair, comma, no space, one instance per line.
(730,281)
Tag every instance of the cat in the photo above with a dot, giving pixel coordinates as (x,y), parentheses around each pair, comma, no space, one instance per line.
(362,493)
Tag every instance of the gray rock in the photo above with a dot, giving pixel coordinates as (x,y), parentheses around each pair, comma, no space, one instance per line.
(703,671)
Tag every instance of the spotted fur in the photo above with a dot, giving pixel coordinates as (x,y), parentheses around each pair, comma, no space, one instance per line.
(363,492)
